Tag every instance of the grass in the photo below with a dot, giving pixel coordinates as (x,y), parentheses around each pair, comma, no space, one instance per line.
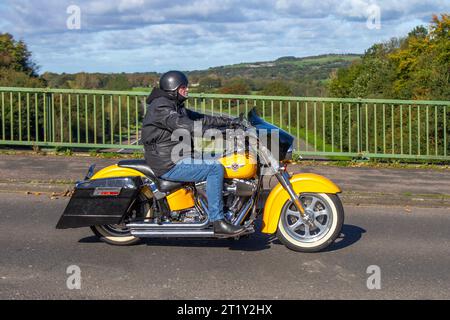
(114,155)
(141,89)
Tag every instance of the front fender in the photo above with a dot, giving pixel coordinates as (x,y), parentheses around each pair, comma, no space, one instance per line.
(302,183)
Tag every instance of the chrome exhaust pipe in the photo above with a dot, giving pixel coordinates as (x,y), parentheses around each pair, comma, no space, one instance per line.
(185,233)
(244,211)
(195,233)
(167,225)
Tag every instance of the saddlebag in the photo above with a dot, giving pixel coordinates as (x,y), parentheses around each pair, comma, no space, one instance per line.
(100,202)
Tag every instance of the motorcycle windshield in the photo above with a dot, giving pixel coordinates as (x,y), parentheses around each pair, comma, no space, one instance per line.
(286,141)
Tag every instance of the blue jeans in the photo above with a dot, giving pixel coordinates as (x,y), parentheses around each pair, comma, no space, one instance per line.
(197,170)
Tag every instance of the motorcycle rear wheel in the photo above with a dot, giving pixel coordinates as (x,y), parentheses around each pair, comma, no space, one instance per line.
(119,234)
(327,213)
(115,234)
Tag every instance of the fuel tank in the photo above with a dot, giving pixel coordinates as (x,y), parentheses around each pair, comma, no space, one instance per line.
(239,166)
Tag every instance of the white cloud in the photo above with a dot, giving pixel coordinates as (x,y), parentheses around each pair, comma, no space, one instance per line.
(125,5)
(145,35)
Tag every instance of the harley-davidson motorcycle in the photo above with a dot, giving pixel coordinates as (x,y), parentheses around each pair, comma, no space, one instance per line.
(126,202)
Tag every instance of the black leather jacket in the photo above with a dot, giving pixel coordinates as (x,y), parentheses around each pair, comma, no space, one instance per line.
(164,115)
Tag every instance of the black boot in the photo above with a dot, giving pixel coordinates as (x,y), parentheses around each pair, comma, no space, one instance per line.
(222,227)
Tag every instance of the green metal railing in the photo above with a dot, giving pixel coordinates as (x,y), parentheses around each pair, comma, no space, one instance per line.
(403,129)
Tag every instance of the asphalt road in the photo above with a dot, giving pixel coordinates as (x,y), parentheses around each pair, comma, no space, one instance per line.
(411,247)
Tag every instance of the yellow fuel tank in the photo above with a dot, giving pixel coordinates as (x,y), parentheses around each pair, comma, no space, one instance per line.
(239,166)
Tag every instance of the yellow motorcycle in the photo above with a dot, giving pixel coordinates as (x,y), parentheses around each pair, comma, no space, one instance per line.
(126,202)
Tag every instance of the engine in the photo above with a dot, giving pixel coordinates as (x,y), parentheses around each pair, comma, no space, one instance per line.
(186,216)
(236,193)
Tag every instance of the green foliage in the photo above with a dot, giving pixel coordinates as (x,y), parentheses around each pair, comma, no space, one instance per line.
(118,82)
(236,86)
(137,155)
(304,76)
(13,78)
(64,151)
(210,82)
(415,67)
(82,80)
(277,88)
(15,55)
(17,69)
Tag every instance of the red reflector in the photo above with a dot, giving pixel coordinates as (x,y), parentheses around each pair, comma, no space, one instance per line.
(109,193)
(106,192)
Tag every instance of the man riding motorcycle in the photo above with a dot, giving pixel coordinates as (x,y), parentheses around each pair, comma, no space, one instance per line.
(166,113)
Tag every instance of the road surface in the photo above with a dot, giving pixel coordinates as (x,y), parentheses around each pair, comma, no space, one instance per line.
(411,246)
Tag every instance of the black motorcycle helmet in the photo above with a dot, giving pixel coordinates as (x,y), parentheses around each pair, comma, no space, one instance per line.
(171,81)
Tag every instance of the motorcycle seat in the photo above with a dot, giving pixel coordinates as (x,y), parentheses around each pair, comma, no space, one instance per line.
(143,167)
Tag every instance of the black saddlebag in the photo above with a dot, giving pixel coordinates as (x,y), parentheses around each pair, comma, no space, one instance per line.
(99,202)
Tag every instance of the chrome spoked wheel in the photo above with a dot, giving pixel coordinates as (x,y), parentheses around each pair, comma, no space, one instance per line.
(319,212)
(326,216)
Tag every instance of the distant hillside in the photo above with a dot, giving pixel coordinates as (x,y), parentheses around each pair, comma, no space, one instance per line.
(288,75)
(285,68)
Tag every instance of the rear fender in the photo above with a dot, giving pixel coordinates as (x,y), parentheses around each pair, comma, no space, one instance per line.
(302,183)
(115,171)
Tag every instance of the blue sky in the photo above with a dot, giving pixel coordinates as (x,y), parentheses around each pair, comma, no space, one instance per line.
(158,35)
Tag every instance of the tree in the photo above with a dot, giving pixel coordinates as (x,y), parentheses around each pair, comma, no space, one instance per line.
(15,55)
(87,81)
(209,83)
(236,86)
(118,82)
(17,69)
(418,32)
(414,67)
(12,78)
(277,88)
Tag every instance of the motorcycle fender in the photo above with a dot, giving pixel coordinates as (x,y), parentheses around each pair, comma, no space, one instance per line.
(302,183)
(115,171)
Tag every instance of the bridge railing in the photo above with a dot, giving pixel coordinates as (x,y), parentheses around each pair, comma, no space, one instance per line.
(404,129)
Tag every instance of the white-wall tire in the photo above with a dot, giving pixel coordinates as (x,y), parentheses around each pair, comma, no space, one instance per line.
(104,234)
(120,235)
(324,238)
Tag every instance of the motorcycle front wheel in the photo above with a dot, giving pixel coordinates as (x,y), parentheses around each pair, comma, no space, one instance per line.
(327,214)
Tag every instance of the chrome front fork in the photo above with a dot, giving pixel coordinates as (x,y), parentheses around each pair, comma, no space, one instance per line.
(284,179)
